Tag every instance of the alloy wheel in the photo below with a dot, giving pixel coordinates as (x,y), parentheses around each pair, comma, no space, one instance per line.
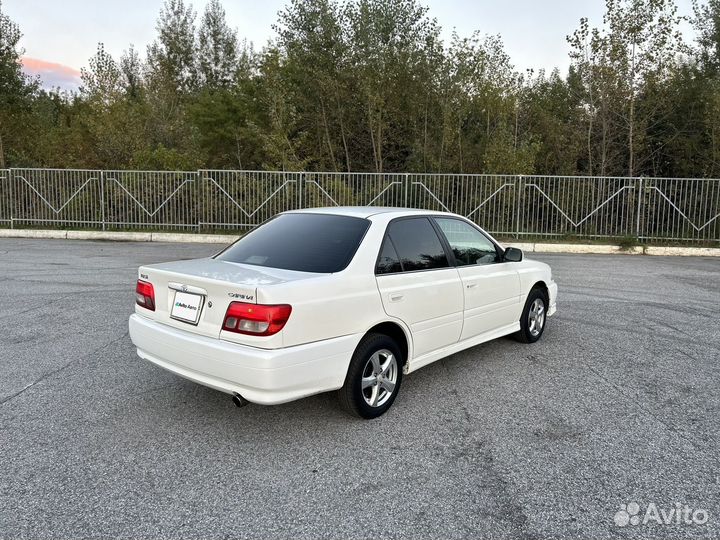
(536,317)
(379,378)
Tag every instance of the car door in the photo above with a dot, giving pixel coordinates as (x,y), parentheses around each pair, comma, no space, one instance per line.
(491,286)
(418,285)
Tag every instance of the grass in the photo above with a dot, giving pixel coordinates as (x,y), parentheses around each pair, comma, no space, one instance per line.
(626,243)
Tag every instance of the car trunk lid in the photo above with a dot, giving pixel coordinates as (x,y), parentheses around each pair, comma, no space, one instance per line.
(202,289)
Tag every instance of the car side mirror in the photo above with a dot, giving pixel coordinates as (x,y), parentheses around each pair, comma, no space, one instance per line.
(513,255)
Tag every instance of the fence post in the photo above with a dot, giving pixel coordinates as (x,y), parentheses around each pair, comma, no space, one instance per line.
(11,204)
(301,188)
(195,202)
(406,189)
(102,198)
(518,195)
(639,206)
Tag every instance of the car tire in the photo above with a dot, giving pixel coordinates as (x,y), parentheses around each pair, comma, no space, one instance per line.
(373,379)
(534,317)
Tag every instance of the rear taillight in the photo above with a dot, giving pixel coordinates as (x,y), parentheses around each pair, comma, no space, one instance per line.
(145,295)
(256,319)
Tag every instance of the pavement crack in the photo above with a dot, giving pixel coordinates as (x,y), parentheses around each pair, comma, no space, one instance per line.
(64,296)
(35,308)
(683,436)
(514,513)
(61,368)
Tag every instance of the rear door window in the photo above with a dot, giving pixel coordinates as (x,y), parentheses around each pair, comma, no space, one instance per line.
(306,242)
(388,262)
(417,244)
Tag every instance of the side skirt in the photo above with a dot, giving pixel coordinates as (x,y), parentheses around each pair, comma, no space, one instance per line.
(429,358)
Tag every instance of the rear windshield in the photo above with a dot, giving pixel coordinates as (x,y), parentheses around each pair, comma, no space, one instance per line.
(305,242)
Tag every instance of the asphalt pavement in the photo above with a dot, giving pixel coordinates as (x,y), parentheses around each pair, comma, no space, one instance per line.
(618,403)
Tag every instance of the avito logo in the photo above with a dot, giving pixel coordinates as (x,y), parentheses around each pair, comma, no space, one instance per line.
(680,514)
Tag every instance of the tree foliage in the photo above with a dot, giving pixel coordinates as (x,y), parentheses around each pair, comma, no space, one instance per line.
(15,92)
(370,85)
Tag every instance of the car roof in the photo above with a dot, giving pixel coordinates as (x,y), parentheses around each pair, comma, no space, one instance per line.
(364,211)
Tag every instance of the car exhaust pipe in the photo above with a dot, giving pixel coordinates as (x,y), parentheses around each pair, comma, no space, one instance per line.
(239,401)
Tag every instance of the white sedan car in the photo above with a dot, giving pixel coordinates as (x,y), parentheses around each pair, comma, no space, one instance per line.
(347,299)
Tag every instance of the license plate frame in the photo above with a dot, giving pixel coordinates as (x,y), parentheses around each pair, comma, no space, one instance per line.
(184,305)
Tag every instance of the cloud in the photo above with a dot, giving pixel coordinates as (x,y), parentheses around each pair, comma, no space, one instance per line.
(51,74)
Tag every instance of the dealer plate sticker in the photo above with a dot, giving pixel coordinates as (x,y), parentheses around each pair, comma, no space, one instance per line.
(187,307)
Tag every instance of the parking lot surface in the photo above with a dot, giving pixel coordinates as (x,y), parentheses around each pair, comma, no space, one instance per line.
(618,403)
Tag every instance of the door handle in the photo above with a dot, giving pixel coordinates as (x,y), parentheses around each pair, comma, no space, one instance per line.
(471,285)
(396,297)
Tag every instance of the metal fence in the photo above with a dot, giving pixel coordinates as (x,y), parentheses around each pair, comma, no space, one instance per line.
(507,205)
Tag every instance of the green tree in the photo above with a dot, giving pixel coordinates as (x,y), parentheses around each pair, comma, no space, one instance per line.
(637,46)
(217,48)
(551,117)
(315,50)
(277,122)
(103,79)
(706,22)
(131,67)
(171,58)
(226,120)
(479,105)
(170,85)
(392,42)
(368,85)
(112,118)
(16,90)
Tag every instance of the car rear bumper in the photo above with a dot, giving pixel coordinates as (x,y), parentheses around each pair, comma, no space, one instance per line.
(265,376)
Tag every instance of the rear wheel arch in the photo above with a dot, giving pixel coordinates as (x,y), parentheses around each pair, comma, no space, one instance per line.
(397,333)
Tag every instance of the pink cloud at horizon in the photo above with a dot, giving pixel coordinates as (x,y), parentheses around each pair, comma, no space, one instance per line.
(52,74)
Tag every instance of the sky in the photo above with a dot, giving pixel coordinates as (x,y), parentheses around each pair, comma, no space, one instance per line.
(60,36)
